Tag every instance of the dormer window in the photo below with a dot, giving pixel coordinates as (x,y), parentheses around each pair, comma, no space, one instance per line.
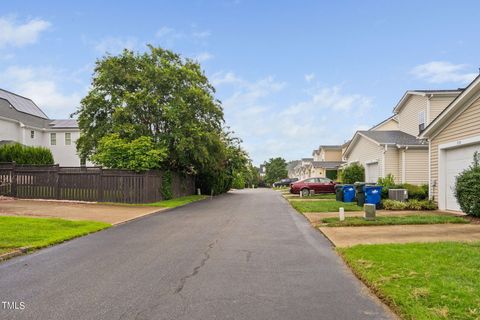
(421,121)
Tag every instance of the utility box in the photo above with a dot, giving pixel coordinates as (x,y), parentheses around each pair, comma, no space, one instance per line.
(370,211)
(398,194)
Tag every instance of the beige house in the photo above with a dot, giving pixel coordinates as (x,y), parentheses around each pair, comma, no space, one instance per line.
(325,163)
(393,146)
(453,136)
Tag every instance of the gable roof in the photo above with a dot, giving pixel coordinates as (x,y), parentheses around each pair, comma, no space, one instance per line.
(423,93)
(22,104)
(470,93)
(394,118)
(330,147)
(63,123)
(388,137)
(327,164)
(395,137)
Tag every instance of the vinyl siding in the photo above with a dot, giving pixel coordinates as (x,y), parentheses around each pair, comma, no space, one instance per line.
(389,125)
(392,163)
(408,116)
(438,104)
(416,166)
(366,151)
(333,155)
(465,126)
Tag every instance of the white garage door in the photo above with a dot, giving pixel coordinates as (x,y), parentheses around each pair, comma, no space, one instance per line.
(372,172)
(456,160)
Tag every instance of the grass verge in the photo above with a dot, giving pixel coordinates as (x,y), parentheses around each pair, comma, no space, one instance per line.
(422,280)
(328,196)
(324,206)
(393,220)
(172,203)
(17,232)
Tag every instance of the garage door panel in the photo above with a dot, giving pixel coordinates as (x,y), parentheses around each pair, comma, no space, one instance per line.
(456,160)
(372,172)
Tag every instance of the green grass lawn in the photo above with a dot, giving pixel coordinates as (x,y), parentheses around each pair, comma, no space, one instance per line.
(393,220)
(422,280)
(172,203)
(17,232)
(324,206)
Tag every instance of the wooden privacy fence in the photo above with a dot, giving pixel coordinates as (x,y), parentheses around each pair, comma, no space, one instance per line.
(89,183)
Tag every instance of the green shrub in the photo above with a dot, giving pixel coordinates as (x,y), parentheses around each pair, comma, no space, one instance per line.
(394,205)
(353,173)
(25,154)
(413,204)
(467,188)
(387,182)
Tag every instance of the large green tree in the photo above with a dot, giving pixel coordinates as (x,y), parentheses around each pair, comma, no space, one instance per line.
(156,94)
(156,110)
(275,169)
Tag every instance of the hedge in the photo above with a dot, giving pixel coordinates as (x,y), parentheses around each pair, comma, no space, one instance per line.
(21,154)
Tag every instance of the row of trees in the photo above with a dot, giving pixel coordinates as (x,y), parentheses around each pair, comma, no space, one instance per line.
(157,110)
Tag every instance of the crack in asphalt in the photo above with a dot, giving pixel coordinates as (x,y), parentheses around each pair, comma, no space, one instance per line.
(195,271)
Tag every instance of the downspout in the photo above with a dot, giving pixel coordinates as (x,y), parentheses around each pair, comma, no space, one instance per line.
(383,160)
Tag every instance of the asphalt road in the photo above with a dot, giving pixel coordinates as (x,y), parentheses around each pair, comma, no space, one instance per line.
(243,255)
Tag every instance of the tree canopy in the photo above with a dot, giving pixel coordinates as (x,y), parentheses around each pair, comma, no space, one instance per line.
(275,169)
(158,104)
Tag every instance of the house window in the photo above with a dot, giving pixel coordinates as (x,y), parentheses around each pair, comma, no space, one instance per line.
(32,134)
(53,139)
(68,138)
(83,162)
(421,121)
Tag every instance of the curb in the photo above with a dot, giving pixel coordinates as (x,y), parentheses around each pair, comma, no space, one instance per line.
(17,252)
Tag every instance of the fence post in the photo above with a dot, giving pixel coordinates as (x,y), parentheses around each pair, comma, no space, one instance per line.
(13,187)
(100,186)
(57,181)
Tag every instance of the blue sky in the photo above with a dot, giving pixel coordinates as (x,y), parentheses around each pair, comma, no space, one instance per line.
(291,74)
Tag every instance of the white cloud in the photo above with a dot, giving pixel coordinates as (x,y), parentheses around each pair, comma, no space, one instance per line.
(272,126)
(443,72)
(309,77)
(203,56)
(17,34)
(201,34)
(42,86)
(115,45)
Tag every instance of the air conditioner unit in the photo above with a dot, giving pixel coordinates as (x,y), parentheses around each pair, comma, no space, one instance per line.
(398,194)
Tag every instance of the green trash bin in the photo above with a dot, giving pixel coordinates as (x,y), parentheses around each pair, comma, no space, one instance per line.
(339,192)
(360,192)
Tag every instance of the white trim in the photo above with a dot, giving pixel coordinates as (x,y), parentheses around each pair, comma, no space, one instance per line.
(439,122)
(404,166)
(429,110)
(383,160)
(430,189)
(355,138)
(442,151)
(371,161)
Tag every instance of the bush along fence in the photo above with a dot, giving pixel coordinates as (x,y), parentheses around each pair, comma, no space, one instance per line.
(91,184)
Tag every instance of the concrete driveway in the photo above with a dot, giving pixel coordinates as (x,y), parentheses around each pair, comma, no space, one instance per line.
(243,255)
(113,214)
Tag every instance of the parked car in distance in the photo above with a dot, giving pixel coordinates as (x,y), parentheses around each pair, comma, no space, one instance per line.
(318,185)
(284,182)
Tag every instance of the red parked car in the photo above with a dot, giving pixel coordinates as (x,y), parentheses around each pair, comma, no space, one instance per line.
(318,185)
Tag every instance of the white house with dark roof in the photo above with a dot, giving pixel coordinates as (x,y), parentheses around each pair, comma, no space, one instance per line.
(22,121)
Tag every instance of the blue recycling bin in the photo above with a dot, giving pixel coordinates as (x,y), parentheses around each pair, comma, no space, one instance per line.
(373,194)
(348,193)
